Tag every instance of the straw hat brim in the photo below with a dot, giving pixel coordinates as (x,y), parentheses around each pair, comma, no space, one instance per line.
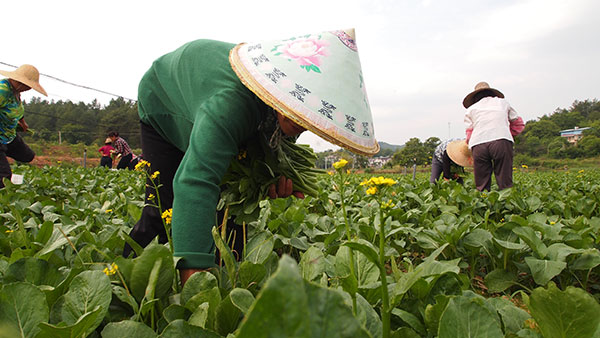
(459,153)
(468,100)
(19,77)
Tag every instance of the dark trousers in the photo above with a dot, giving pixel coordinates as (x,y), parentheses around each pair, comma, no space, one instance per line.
(165,158)
(17,150)
(497,157)
(106,161)
(124,162)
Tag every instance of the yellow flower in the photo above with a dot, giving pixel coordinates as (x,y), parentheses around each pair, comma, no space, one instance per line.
(108,210)
(552,223)
(581,171)
(167,215)
(514,168)
(142,164)
(372,191)
(340,164)
(8,231)
(155,175)
(348,171)
(151,197)
(111,269)
(387,205)
(524,166)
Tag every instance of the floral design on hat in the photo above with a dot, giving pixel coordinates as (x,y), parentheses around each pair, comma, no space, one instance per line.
(307,51)
(316,81)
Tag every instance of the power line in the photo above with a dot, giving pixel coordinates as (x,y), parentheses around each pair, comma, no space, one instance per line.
(74,84)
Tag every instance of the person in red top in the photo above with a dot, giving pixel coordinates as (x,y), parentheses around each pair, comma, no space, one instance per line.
(106,151)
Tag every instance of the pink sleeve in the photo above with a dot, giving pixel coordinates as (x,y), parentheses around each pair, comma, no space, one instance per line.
(469,131)
(516,126)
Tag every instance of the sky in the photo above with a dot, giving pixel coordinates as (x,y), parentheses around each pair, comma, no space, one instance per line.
(419,58)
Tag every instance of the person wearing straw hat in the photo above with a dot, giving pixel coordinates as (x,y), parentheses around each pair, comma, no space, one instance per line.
(491,124)
(449,158)
(107,151)
(201,102)
(12,116)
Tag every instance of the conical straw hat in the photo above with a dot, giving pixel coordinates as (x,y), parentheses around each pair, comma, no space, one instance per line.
(459,153)
(468,100)
(316,81)
(26,74)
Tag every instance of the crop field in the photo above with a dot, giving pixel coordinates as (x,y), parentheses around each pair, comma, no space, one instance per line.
(369,256)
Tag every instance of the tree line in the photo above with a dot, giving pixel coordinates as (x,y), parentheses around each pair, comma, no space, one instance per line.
(90,123)
(82,123)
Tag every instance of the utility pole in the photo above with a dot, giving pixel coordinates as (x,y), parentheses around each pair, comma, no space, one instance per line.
(59,138)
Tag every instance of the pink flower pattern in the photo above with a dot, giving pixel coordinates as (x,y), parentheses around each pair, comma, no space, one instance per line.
(306,51)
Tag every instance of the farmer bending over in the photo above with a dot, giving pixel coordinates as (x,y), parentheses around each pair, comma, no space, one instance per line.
(200,103)
(11,115)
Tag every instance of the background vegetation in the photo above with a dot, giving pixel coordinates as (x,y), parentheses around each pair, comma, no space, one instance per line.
(540,144)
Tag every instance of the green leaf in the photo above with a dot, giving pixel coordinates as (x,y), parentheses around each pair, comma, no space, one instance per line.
(510,245)
(303,309)
(226,254)
(367,249)
(89,291)
(250,274)
(259,248)
(569,313)
(589,259)
(180,328)
(127,328)
(469,317)
(312,263)
(365,314)
(228,317)
(210,296)
(22,307)
(125,297)
(200,316)
(242,299)
(560,251)
(35,271)
(477,238)
(198,282)
(434,312)
(80,328)
(410,319)
(529,236)
(142,268)
(499,280)
(513,317)
(410,278)
(544,270)
(176,311)
(348,281)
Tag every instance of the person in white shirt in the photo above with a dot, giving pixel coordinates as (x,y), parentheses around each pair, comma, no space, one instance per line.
(491,124)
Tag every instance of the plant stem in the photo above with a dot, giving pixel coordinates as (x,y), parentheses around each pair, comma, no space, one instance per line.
(385,313)
(342,190)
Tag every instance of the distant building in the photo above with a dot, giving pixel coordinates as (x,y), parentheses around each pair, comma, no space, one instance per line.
(380,161)
(573,135)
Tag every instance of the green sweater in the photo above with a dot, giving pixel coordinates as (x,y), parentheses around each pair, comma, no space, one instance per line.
(194,100)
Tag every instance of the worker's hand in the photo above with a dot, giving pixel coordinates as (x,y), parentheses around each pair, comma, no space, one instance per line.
(185,274)
(283,188)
